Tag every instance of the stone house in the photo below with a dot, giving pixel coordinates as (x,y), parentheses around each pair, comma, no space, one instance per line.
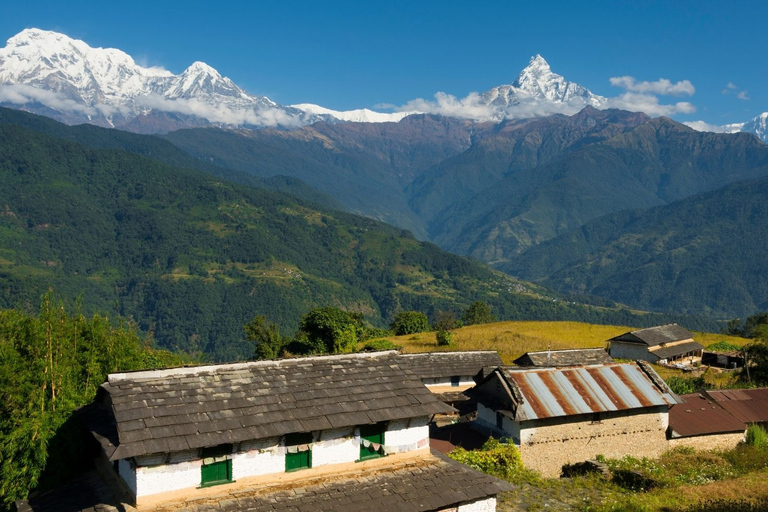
(701,423)
(566,357)
(327,431)
(661,344)
(558,416)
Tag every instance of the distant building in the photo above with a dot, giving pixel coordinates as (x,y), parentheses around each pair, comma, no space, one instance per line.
(662,344)
(701,423)
(558,416)
(568,357)
(731,359)
(318,432)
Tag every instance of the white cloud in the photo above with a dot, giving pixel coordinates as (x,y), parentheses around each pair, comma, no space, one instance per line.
(220,113)
(742,95)
(648,103)
(702,126)
(25,94)
(661,86)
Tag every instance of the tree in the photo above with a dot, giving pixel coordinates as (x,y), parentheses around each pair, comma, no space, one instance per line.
(479,312)
(445,321)
(266,336)
(409,322)
(330,330)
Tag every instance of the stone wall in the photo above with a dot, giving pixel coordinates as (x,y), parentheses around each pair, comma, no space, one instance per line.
(486,505)
(633,351)
(709,442)
(546,445)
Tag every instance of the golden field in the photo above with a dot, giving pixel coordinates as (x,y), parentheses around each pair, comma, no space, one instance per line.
(513,339)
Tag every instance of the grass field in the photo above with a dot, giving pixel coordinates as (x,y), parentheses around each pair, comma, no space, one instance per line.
(513,339)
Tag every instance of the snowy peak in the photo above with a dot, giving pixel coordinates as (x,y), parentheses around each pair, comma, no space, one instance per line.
(361,115)
(757,126)
(200,79)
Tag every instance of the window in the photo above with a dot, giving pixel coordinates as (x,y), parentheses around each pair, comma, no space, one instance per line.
(455,381)
(298,454)
(372,441)
(217,467)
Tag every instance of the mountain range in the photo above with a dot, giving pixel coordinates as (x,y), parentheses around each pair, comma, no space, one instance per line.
(52,74)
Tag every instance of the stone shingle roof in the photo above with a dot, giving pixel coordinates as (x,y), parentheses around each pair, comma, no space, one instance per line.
(676,350)
(658,335)
(189,408)
(434,365)
(570,357)
(424,484)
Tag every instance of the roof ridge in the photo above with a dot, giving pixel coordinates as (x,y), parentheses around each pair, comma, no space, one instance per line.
(194,370)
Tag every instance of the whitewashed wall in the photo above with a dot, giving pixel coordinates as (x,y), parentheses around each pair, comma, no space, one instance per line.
(154,476)
(632,351)
(258,458)
(405,432)
(486,418)
(464,380)
(335,447)
(486,505)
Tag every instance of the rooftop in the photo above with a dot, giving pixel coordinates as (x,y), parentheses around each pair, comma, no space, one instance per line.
(700,415)
(653,336)
(140,413)
(432,365)
(567,357)
(748,405)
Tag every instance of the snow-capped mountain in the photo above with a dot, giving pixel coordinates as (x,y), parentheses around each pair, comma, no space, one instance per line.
(55,75)
(361,115)
(757,126)
(538,83)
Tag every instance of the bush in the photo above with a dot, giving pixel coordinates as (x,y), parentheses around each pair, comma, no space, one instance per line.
(494,458)
(410,322)
(479,312)
(757,436)
(685,385)
(444,338)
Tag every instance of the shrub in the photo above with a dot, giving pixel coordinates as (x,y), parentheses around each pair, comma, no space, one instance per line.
(685,385)
(494,458)
(757,436)
(410,322)
(444,338)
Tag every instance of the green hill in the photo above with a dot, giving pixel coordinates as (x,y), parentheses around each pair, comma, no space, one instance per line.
(706,252)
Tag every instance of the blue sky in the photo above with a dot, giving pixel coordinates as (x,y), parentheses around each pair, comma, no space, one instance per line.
(346,55)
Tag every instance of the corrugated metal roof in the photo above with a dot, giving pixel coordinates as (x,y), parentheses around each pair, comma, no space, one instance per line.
(749,405)
(700,415)
(554,392)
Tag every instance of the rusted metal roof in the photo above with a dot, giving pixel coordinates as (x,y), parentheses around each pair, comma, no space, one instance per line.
(658,335)
(555,392)
(749,405)
(700,415)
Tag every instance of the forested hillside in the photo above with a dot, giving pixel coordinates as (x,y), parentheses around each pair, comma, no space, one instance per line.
(708,250)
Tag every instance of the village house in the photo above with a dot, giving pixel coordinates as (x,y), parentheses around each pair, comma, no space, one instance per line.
(662,344)
(347,432)
(701,423)
(558,416)
(566,357)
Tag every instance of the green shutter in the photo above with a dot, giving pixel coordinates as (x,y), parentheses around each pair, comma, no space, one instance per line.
(216,473)
(374,434)
(298,460)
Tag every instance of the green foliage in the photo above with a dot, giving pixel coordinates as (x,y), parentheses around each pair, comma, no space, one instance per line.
(494,458)
(409,322)
(50,364)
(445,321)
(686,385)
(723,346)
(266,336)
(382,344)
(478,312)
(756,368)
(444,338)
(330,330)
(757,436)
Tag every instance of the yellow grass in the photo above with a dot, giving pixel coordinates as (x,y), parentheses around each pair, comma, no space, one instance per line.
(513,339)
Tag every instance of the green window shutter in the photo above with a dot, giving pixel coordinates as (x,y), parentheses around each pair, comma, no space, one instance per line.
(373,434)
(298,460)
(216,473)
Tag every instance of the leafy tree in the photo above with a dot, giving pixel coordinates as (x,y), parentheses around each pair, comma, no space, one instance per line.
(479,312)
(444,338)
(330,330)
(445,321)
(756,362)
(266,336)
(410,322)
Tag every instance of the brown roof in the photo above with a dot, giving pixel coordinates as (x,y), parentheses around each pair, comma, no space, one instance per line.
(700,415)
(430,483)
(568,357)
(536,393)
(748,405)
(658,335)
(431,365)
(188,408)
